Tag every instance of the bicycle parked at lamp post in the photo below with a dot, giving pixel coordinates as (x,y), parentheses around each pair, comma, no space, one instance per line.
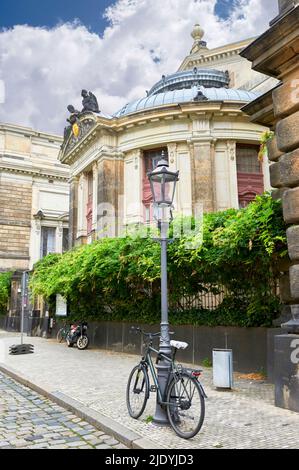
(63,332)
(184,397)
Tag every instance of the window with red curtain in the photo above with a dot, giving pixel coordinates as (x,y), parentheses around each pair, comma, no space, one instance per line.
(150,161)
(89,201)
(249,173)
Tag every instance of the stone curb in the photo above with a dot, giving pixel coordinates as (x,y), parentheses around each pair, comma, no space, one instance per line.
(130,438)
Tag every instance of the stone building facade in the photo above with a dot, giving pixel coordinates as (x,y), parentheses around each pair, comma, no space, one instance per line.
(34,197)
(195,117)
(34,203)
(276,54)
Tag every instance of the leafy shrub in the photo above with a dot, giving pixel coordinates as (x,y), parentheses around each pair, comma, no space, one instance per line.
(119,278)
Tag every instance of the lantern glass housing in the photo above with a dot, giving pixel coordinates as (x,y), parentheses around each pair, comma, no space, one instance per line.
(163,183)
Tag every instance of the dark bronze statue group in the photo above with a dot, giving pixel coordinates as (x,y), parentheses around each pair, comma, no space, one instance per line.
(89,103)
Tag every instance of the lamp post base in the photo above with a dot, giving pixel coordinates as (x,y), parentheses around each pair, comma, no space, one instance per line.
(160,417)
(163,369)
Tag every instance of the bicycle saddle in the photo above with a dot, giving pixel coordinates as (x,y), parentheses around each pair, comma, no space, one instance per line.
(178,344)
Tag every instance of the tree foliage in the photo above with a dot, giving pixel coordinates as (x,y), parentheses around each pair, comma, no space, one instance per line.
(5,280)
(119,278)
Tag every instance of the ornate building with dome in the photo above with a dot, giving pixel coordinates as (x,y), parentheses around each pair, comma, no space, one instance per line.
(195,117)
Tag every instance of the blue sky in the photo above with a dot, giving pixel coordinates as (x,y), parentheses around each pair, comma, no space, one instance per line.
(50,13)
(46,58)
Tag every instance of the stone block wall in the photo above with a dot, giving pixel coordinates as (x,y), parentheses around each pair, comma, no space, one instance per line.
(284,152)
(15,216)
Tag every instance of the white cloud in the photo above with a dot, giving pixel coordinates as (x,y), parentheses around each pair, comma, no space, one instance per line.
(44,70)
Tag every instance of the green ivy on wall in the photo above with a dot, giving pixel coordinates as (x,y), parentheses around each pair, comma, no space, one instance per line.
(119,278)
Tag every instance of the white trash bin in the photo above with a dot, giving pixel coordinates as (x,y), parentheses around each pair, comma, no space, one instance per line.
(223,368)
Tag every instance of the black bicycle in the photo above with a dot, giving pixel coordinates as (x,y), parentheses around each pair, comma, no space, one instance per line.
(184,396)
(62,333)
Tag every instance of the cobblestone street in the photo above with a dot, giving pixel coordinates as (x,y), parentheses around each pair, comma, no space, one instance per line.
(242,418)
(28,420)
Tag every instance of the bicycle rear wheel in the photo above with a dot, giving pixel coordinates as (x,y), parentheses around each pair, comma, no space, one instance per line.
(186,406)
(137,391)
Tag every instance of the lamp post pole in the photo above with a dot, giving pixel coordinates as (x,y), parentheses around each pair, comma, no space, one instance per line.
(164,347)
(163,183)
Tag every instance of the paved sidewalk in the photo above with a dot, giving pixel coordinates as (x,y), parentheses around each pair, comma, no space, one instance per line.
(242,418)
(28,420)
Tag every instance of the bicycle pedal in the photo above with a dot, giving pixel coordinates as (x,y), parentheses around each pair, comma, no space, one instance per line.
(153,388)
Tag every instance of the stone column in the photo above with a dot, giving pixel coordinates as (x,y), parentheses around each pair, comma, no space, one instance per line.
(233,177)
(110,194)
(173,166)
(94,195)
(202,175)
(133,188)
(59,237)
(73,216)
(82,202)
(35,242)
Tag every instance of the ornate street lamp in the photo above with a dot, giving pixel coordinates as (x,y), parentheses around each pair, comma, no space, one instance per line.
(163,184)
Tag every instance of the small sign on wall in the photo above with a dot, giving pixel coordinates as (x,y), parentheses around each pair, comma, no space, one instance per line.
(61,306)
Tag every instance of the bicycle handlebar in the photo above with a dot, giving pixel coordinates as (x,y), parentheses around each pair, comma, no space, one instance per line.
(150,335)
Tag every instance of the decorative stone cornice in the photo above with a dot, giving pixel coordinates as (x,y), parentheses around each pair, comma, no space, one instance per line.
(214,55)
(32,172)
(29,132)
(90,147)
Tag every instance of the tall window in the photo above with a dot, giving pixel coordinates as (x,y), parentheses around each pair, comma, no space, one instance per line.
(48,243)
(249,173)
(150,159)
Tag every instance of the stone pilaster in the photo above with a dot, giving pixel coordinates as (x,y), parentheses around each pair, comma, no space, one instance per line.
(133,188)
(59,237)
(110,194)
(82,202)
(233,177)
(73,222)
(94,195)
(202,175)
(173,166)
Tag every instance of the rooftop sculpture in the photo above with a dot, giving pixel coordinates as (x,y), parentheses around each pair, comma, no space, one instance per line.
(89,103)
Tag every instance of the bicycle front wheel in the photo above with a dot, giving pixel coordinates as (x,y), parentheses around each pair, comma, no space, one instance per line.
(137,391)
(186,406)
(60,335)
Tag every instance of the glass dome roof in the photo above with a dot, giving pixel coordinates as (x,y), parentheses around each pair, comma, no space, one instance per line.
(189,78)
(185,95)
